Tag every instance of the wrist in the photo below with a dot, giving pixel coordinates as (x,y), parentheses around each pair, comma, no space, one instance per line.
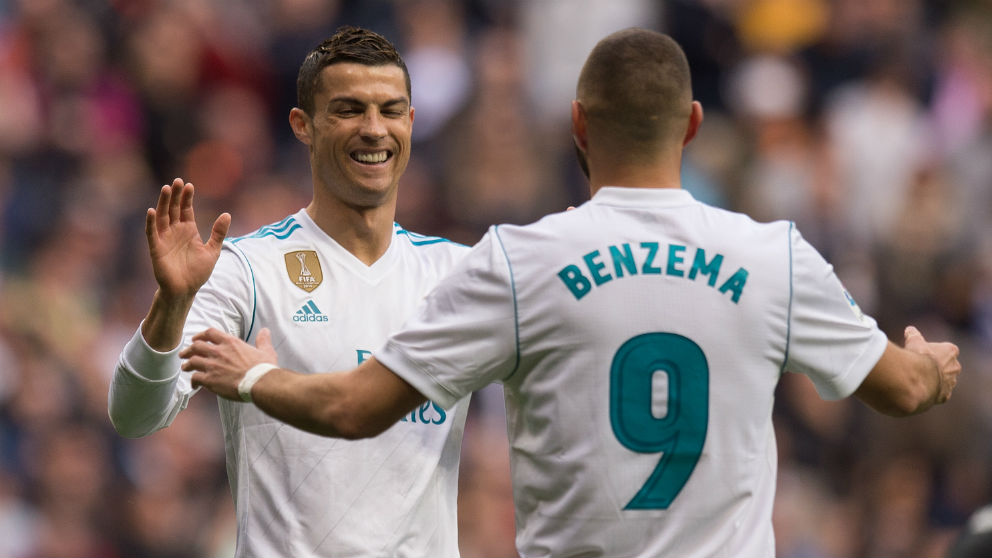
(251,377)
(162,327)
(174,300)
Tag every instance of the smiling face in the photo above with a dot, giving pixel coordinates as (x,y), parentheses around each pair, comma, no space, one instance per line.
(359,134)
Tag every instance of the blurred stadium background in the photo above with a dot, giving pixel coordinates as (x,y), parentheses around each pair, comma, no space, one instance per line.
(868,122)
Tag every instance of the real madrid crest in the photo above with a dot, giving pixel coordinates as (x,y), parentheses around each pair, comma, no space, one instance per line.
(303,268)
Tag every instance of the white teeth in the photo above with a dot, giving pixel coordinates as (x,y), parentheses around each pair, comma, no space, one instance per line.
(378,157)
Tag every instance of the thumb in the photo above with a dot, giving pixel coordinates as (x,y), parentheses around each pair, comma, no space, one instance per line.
(264,340)
(264,343)
(912,331)
(219,231)
(913,336)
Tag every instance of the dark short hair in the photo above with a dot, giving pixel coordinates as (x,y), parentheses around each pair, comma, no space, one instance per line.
(348,44)
(635,87)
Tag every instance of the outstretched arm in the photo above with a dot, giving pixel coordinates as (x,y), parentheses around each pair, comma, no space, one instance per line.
(358,403)
(911,379)
(181,261)
(143,394)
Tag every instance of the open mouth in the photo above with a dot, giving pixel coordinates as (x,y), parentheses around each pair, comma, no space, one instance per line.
(371,157)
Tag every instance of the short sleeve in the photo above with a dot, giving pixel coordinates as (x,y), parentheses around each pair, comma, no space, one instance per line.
(463,335)
(830,339)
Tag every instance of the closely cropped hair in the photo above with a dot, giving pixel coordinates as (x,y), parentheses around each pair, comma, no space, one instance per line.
(635,87)
(348,44)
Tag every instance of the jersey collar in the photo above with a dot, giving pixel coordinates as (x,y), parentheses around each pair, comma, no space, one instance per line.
(640,197)
(330,248)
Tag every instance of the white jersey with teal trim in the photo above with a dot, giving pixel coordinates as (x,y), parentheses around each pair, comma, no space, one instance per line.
(639,338)
(298,494)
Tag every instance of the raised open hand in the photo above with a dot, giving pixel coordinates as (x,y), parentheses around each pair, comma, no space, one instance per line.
(182,262)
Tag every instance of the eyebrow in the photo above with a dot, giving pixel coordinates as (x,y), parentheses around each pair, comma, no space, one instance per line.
(355,101)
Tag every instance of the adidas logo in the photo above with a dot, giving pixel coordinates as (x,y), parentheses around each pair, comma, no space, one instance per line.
(309,313)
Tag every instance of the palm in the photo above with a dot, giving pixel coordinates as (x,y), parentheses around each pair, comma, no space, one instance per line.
(181,261)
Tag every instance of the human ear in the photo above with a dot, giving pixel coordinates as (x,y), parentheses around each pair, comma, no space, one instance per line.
(695,119)
(302,125)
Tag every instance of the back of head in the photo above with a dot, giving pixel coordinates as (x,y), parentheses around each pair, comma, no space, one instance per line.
(636,91)
(348,44)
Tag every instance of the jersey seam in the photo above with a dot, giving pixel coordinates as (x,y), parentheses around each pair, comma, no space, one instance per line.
(244,458)
(516,314)
(280,230)
(254,291)
(418,239)
(788,314)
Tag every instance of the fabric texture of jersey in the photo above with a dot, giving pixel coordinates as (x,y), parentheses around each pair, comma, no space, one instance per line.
(639,338)
(298,494)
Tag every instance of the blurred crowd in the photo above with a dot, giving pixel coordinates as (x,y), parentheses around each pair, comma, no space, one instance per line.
(869,123)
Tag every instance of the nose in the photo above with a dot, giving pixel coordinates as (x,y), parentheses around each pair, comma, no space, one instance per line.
(373,125)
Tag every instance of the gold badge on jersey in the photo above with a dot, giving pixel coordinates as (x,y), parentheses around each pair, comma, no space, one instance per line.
(303,268)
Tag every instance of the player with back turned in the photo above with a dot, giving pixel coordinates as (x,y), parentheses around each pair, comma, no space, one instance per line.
(639,339)
(328,283)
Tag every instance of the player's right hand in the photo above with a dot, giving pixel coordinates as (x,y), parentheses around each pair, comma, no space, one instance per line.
(944,355)
(181,261)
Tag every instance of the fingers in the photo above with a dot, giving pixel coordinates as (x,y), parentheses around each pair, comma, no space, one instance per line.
(178,189)
(150,226)
(204,344)
(212,335)
(199,348)
(186,203)
(196,362)
(162,208)
(175,203)
(219,231)
(950,367)
(946,353)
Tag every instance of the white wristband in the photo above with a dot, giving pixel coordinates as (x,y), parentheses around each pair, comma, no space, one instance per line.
(253,375)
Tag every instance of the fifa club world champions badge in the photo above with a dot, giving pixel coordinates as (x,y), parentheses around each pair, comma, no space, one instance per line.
(304,270)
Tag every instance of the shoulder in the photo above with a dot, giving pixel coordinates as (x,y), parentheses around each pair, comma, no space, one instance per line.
(268,235)
(292,233)
(550,226)
(428,246)
(741,221)
(251,251)
(743,229)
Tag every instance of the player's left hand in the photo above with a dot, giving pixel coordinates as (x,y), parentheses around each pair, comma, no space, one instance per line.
(220,360)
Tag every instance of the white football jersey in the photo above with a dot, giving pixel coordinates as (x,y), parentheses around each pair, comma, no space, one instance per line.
(639,338)
(298,494)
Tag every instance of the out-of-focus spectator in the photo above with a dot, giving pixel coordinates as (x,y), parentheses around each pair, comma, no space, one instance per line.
(879,137)
(557,36)
(496,167)
(437,57)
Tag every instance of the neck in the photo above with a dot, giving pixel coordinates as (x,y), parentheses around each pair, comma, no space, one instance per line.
(365,232)
(634,176)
